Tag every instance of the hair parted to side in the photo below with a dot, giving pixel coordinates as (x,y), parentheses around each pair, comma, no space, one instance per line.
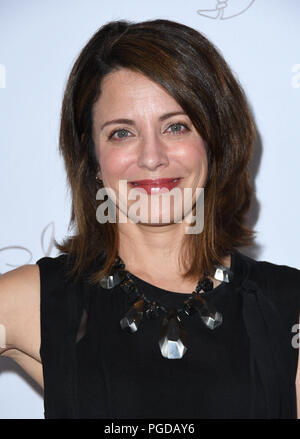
(194,73)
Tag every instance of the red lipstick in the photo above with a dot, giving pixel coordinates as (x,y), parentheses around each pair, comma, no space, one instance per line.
(154,186)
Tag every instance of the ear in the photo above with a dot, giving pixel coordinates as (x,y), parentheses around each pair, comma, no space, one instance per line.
(99,174)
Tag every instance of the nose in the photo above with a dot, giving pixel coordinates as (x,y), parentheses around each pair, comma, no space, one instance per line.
(152,152)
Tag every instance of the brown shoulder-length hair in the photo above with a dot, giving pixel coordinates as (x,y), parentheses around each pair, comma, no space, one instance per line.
(194,73)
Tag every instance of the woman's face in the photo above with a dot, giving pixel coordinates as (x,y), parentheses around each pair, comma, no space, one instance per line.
(152,143)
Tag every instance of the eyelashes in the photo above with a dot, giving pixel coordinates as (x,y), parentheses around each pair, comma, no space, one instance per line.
(124,130)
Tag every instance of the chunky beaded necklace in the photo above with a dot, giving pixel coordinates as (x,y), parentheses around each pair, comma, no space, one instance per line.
(172,340)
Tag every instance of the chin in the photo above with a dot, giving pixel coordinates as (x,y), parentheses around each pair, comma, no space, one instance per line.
(159,219)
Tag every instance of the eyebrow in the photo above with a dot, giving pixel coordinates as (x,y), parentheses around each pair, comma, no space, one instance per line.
(131,122)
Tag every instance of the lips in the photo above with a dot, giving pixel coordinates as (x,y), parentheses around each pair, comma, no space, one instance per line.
(156,185)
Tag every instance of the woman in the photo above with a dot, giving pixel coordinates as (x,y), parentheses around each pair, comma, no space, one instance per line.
(143,316)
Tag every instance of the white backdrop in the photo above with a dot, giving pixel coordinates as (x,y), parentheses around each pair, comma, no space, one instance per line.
(40,40)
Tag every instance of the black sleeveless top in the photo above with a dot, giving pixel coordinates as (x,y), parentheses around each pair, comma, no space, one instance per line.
(245,368)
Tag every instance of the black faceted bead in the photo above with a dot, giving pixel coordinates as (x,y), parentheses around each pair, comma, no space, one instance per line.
(133,295)
(206,285)
(188,307)
(209,315)
(127,286)
(153,311)
(173,338)
(122,275)
(132,319)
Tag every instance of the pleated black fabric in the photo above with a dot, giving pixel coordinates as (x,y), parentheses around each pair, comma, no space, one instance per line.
(245,368)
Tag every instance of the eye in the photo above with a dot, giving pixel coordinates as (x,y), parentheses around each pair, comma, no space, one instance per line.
(121,134)
(177,128)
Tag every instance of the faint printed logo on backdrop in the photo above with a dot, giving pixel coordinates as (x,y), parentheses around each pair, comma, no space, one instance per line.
(14,256)
(296,77)
(223,10)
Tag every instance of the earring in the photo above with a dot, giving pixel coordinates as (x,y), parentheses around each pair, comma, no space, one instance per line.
(99,180)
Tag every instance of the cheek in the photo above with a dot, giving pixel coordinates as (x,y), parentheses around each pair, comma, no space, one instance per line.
(193,156)
(113,164)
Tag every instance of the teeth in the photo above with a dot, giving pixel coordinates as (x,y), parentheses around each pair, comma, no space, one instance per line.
(173,181)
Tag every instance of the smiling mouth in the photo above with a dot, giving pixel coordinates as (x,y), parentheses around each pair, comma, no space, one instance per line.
(155,186)
(155,182)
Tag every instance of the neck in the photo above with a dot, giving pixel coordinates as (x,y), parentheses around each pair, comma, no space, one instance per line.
(151,249)
(152,253)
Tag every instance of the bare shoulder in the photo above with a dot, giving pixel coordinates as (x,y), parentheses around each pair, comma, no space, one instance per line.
(20,312)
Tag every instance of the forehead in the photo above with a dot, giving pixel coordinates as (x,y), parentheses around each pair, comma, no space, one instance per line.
(127,90)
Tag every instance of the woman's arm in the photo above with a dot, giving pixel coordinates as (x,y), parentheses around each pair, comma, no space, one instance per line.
(20,318)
